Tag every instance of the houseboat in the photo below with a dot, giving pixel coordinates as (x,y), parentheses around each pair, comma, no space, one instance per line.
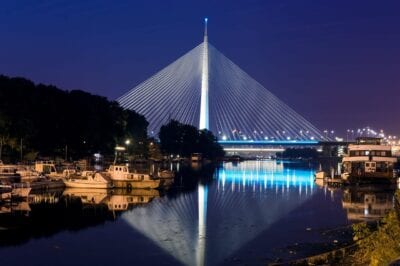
(123,177)
(368,159)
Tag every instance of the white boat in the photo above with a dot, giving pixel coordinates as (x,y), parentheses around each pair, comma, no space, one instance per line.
(8,174)
(48,168)
(368,159)
(320,175)
(94,180)
(122,177)
(28,174)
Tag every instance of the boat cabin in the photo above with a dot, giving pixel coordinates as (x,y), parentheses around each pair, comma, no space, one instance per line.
(45,167)
(369,158)
(122,172)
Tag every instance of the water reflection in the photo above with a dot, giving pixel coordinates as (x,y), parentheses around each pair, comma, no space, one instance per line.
(206,227)
(56,210)
(115,199)
(368,203)
(233,207)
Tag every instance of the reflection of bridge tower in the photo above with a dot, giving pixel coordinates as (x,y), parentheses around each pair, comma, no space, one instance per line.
(207,226)
(201,241)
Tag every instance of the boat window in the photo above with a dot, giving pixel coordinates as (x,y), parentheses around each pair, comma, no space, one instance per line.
(356,153)
(383,153)
(372,164)
(125,169)
(366,152)
(367,164)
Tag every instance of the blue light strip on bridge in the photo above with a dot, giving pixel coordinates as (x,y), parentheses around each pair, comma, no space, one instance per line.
(269,142)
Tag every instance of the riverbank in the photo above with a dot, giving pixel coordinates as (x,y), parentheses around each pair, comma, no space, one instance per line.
(366,243)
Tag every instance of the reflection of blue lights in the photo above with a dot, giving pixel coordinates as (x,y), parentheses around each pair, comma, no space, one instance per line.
(266,174)
(292,178)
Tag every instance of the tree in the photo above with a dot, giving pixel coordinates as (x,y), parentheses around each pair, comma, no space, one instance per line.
(180,139)
(50,119)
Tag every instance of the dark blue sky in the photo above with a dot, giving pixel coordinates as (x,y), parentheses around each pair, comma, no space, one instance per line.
(335,62)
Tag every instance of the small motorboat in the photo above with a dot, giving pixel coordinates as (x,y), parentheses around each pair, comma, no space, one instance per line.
(94,180)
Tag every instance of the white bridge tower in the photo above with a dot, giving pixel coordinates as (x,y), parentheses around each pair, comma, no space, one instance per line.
(204,83)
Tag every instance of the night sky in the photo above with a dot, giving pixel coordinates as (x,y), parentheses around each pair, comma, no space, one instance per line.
(335,62)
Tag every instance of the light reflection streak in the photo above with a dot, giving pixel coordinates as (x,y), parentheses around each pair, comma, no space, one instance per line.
(207,226)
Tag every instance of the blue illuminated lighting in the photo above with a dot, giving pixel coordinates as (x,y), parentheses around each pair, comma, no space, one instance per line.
(205,19)
(267,174)
(266,142)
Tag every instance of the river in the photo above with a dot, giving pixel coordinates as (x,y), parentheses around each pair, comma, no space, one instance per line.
(252,212)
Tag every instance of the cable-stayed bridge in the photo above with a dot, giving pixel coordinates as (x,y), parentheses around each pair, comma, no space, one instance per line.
(205,89)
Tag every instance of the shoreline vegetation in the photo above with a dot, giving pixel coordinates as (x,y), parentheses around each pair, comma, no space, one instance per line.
(43,121)
(374,243)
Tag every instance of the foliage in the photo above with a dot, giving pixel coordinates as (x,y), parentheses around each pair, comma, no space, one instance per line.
(180,139)
(295,153)
(52,122)
(381,246)
(154,150)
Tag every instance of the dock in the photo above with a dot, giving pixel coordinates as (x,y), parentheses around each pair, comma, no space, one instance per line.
(43,185)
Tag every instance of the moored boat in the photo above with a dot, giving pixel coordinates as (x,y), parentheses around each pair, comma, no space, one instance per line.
(368,160)
(123,177)
(90,180)
(48,168)
(28,174)
(320,175)
(8,174)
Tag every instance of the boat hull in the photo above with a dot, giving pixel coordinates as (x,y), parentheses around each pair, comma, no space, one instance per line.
(129,184)
(79,184)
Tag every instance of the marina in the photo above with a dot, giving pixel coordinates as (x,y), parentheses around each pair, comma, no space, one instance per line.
(199,133)
(255,200)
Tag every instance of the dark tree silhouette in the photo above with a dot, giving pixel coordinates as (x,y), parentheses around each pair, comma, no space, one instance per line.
(49,121)
(180,139)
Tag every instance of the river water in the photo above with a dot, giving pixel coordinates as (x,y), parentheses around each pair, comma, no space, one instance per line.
(252,212)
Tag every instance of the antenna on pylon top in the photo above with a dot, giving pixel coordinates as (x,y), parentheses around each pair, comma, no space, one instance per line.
(205,27)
